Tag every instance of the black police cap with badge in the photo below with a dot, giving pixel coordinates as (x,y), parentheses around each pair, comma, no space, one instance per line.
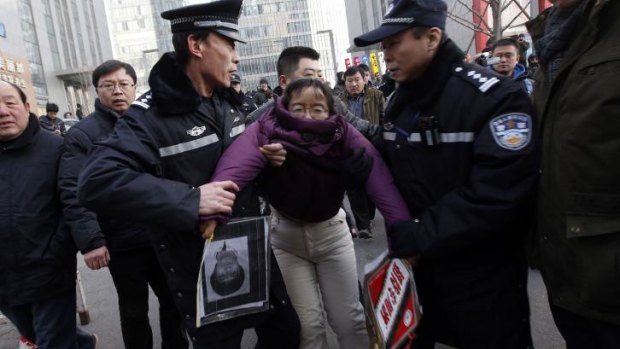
(404,14)
(235,77)
(219,16)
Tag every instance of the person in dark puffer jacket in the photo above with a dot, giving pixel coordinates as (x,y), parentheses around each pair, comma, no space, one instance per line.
(37,254)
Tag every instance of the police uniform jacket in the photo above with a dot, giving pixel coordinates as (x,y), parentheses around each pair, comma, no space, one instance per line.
(37,254)
(247,103)
(164,147)
(90,231)
(460,144)
(577,245)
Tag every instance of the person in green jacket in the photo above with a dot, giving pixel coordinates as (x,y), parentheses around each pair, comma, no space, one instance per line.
(577,241)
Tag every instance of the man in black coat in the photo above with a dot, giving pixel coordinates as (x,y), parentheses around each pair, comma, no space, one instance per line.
(247,102)
(460,142)
(50,120)
(37,254)
(122,245)
(156,166)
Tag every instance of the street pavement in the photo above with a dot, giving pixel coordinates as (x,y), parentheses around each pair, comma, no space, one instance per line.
(102,304)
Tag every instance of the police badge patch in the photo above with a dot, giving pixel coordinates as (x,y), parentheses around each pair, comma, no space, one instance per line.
(196,131)
(512,131)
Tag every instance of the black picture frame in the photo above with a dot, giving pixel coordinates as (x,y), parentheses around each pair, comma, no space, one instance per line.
(234,275)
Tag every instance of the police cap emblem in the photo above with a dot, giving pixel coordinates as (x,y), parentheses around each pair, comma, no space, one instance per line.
(512,131)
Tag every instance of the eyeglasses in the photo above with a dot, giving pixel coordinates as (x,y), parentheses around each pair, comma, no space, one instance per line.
(316,111)
(125,86)
(508,55)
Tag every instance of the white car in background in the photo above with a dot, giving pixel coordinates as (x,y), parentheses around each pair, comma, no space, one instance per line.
(69,122)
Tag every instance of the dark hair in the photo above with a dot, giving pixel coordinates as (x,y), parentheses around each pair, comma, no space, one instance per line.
(490,41)
(289,59)
(353,70)
(531,58)
(111,66)
(21,93)
(179,41)
(340,78)
(506,42)
(299,85)
(419,31)
(51,108)
(364,67)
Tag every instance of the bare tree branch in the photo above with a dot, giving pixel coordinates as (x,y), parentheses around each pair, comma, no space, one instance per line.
(516,25)
(517,16)
(466,24)
(476,14)
(522,9)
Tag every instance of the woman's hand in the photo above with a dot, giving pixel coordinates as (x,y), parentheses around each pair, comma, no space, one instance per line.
(275,153)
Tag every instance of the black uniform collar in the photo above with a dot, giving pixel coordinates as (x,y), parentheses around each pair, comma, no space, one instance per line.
(423,91)
(174,92)
(172,89)
(107,112)
(26,137)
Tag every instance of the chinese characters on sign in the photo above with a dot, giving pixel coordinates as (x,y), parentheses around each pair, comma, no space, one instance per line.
(391,301)
(12,71)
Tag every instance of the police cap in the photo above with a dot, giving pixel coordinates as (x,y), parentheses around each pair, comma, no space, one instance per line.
(404,14)
(220,16)
(235,77)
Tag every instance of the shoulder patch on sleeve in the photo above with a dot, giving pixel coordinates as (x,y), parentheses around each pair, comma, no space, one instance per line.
(481,77)
(512,131)
(144,101)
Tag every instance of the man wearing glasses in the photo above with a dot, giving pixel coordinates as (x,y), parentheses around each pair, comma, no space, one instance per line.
(121,245)
(507,53)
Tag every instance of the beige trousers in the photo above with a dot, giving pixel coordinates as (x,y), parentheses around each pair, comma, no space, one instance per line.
(320,272)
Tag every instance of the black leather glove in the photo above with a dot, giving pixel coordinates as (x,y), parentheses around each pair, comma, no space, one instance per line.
(400,239)
(355,168)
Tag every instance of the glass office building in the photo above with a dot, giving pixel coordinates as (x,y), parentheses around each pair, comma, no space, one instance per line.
(62,41)
(139,34)
(269,26)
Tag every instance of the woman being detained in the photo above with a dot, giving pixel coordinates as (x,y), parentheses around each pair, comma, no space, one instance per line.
(310,237)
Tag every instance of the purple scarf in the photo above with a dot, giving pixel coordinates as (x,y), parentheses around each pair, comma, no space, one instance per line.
(320,141)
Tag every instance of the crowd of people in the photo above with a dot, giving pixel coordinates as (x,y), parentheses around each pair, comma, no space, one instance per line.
(480,170)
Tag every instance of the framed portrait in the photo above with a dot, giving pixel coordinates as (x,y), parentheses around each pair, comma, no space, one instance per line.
(234,273)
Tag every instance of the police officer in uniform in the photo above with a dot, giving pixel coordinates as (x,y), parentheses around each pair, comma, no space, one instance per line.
(247,102)
(154,167)
(460,142)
